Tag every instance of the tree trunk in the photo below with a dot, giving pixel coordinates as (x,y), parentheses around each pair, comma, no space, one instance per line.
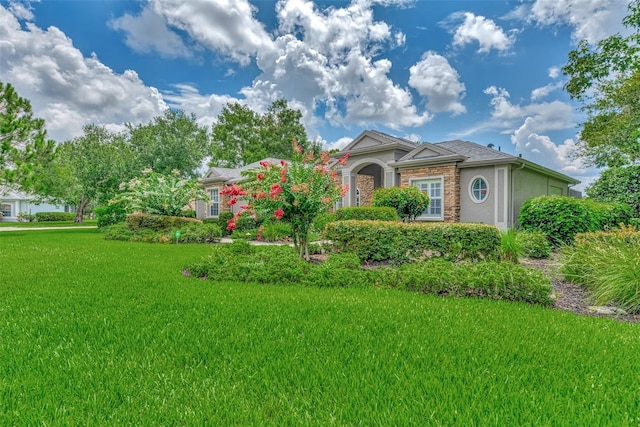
(82,205)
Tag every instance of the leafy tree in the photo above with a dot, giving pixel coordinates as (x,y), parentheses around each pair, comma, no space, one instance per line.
(88,169)
(170,142)
(23,139)
(409,202)
(296,192)
(159,194)
(242,136)
(621,184)
(607,78)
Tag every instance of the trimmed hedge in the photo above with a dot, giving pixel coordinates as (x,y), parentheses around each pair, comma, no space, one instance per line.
(55,216)
(402,242)
(533,244)
(561,218)
(142,221)
(110,214)
(278,265)
(190,233)
(371,213)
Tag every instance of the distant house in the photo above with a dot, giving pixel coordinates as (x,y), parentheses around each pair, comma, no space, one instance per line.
(12,203)
(465,181)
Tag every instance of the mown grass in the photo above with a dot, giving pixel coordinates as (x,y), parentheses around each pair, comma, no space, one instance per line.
(86,222)
(96,332)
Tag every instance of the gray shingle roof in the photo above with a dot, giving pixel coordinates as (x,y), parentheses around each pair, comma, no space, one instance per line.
(474,152)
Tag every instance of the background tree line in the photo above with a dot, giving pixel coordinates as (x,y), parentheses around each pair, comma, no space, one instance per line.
(87,170)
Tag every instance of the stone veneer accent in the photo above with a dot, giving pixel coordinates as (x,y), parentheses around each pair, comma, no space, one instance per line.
(451,184)
(224,199)
(366,186)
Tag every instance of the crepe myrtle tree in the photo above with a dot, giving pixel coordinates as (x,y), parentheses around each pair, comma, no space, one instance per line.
(159,194)
(295,191)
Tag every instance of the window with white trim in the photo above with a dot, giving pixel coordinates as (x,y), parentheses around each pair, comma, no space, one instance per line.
(5,209)
(214,205)
(479,189)
(433,188)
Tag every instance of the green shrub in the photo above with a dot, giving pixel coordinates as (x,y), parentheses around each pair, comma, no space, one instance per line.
(372,213)
(533,244)
(510,248)
(197,233)
(188,213)
(401,242)
(321,220)
(55,216)
(561,218)
(488,279)
(223,219)
(158,222)
(608,264)
(119,231)
(409,202)
(240,262)
(110,214)
(24,217)
(274,231)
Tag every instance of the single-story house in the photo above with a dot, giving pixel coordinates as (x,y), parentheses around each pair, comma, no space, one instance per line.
(13,203)
(466,182)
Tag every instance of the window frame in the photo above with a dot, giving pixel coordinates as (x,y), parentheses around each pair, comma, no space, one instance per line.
(472,189)
(2,211)
(431,179)
(214,202)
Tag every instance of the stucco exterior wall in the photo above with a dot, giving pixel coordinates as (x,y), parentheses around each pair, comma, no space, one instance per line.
(470,210)
(528,183)
(451,186)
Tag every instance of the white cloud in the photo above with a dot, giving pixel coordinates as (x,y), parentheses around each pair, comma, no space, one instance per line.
(544,91)
(482,30)
(590,19)
(554,72)
(21,10)
(148,32)
(227,27)
(324,59)
(65,88)
(205,107)
(434,78)
(553,115)
(339,144)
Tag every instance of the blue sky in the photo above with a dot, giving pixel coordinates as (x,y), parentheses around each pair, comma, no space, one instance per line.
(484,71)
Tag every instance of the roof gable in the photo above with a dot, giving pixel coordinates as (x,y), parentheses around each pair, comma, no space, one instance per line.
(427,151)
(370,139)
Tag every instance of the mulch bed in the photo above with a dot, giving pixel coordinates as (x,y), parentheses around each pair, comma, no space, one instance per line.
(569,296)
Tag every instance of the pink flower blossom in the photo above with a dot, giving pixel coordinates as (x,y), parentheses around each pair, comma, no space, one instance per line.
(326,200)
(343,160)
(231,225)
(283,163)
(233,190)
(283,179)
(344,189)
(265,164)
(232,201)
(278,213)
(275,190)
(325,157)
(260,177)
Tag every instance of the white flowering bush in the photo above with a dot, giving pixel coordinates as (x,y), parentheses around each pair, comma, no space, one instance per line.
(158,194)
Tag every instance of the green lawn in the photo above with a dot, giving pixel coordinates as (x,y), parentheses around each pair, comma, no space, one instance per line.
(96,332)
(86,222)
